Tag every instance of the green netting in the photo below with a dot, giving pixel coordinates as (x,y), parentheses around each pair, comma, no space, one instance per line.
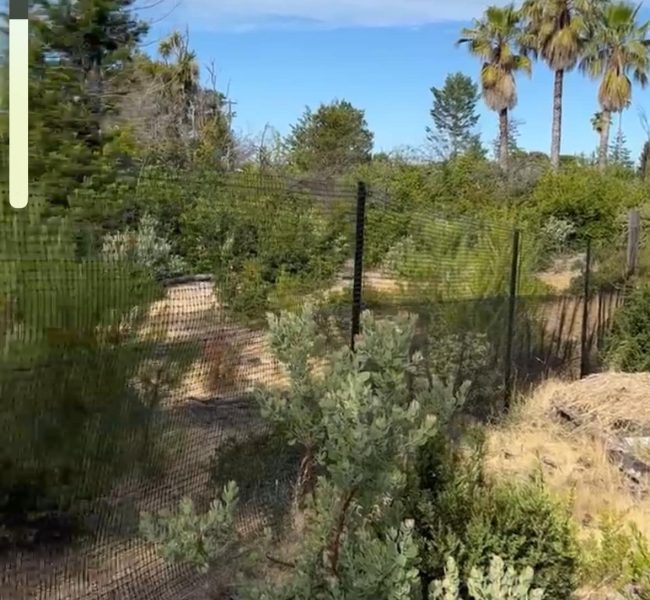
(131,346)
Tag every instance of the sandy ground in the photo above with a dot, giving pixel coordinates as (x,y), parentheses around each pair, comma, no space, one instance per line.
(208,408)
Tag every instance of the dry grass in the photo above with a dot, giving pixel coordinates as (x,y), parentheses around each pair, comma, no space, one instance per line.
(611,402)
(557,281)
(574,461)
(561,273)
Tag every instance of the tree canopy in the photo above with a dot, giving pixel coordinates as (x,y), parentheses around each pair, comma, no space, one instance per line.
(454,116)
(331,139)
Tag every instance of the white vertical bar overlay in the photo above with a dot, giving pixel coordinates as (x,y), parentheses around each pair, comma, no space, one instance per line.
(18,112)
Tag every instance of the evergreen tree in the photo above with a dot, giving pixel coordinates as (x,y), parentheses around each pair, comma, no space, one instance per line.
(454,116)
(330,140)
(78,50)
(644,161)
(619,153)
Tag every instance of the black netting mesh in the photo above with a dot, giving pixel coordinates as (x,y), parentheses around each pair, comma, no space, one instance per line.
(127,378)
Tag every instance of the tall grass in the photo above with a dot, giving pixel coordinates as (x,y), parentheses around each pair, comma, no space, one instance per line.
(443,260)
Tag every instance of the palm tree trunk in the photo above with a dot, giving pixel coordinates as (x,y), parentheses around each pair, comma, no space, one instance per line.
(503,139)
(556,134)
(604,139)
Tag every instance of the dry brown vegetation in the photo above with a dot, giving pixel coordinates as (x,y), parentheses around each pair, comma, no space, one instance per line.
(559,276)
(573,433)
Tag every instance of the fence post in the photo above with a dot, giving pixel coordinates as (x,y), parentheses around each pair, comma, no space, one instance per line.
(362,195)
(633,239)
(584,351)
(512,302)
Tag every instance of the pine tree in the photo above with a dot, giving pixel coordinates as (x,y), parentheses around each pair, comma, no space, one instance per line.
(78,50)
(331,139)
(644,161)
(619,153)
(454,116)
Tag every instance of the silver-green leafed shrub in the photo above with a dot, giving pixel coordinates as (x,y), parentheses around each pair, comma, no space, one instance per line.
(146,247)
(198,539)
(499,583)
(361,421)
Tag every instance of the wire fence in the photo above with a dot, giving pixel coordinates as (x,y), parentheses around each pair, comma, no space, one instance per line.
(127,380)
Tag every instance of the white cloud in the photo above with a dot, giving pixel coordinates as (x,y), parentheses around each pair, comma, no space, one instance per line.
(213,15)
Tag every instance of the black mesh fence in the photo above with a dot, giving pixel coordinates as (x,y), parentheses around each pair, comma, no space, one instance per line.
(133,338)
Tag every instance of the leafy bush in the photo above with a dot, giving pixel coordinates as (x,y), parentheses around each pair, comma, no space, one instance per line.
(370,425)
(361,422)
(80,384)
(628,346)
(462,514)
(618,557)
(589,200)
(198,539)
(144,247)
(500,583)
(364,417)
(260,264)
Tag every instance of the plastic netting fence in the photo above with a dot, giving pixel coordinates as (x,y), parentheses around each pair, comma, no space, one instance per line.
(133,339)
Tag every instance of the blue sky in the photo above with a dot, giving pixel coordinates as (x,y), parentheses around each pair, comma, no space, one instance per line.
(278,56)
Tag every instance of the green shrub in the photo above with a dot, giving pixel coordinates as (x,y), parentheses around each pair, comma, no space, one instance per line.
(371,427)
(590,201)
(200,540)
(628,346)
(460,513)
(499,583)
(80,385)
(262,263)
(618,557)
(360,423)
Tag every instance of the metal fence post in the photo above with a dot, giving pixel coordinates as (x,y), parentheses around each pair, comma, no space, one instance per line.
(633,242)
(512,302)
(584,351)
(362,195)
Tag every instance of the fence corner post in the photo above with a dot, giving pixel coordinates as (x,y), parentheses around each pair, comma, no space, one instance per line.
(357,285)
(584,351)
(512,302)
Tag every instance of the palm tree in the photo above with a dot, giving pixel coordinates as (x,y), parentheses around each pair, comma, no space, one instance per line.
(186,69)
(555,30)
(496,40)
(617,50)
(183,71)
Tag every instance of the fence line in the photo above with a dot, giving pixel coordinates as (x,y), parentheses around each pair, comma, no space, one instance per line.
(123,392)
